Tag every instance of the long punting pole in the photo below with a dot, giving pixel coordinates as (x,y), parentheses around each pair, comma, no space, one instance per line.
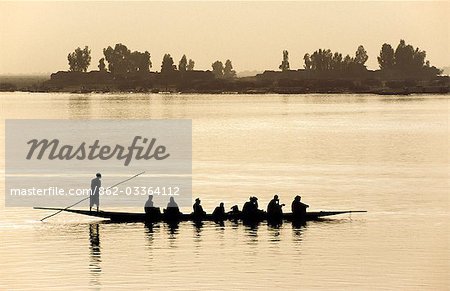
(90,196)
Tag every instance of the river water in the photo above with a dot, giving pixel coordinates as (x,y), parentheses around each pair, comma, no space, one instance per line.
(388,155)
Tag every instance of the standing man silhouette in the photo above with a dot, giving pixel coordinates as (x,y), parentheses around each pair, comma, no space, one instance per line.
(96,183)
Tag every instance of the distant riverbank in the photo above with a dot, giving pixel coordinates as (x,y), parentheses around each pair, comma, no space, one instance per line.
(204,82)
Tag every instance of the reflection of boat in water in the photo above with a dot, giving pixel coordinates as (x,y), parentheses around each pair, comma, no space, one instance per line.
(142,217)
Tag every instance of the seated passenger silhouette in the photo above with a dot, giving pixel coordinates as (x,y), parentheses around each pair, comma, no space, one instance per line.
(255,202)
(172,203)
(235,213)
(250,208)
(274,208)
(172,209)
(198,209)
(298,209)
(219,212)
(148,203)
(150,210)
(235,210)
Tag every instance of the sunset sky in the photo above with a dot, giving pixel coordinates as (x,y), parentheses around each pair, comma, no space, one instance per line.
(37,36)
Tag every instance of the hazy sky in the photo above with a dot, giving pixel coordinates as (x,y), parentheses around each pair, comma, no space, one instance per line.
(37,36)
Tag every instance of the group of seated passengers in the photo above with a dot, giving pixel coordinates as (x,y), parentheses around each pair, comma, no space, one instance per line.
(250,208)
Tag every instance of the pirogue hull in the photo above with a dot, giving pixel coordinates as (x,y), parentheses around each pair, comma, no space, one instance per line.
(142,217)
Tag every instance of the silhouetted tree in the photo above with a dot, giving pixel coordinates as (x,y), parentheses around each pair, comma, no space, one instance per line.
(140,62)
(347,62)
(411,61)
(122,61)
(407,59)
(361,56)
(217,69)
(419,59)
(336,62)
(228,71)
(386,59)
(321,60)
(285,63)
(308,63)
(431,70)
(182,64)
(101,65)
(167,65)
(403,56)
(190,65)
(80,59)
(118,59)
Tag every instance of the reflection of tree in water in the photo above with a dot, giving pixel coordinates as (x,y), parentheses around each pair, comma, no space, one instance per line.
(95,254)
(79,106)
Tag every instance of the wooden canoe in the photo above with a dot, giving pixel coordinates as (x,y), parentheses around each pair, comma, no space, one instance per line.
(142,217)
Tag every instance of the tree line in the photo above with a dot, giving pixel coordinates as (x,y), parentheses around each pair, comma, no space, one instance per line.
(122,61)
(325,60)
(405,59)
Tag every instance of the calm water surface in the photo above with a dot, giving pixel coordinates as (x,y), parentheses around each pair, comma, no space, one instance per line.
(387,155)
